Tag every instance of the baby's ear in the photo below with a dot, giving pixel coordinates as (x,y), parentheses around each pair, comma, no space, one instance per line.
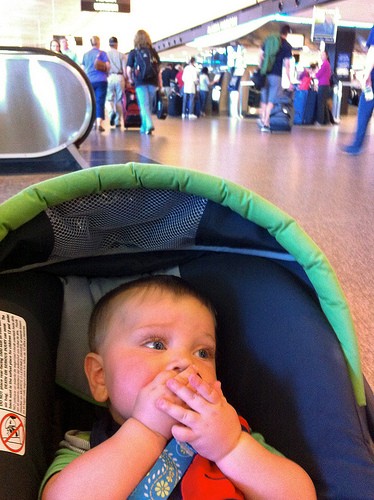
(93,367)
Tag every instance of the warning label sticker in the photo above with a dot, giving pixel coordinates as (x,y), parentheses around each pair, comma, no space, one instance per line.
(13,382)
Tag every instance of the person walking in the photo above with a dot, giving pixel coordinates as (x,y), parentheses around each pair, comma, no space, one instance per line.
(143,71)
(366,102)
(97,77)
(116,82)
(279,55)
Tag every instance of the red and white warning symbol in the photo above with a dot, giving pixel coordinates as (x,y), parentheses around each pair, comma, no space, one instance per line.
(12,430)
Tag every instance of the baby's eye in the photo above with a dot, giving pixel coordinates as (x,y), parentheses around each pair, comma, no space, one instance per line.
(158,345)
(205,353)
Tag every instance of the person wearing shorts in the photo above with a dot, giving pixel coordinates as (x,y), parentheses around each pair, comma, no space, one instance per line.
(273,86)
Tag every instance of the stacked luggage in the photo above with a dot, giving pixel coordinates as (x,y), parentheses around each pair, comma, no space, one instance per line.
(131,111)
(305,104)
(175,100)
(282,114)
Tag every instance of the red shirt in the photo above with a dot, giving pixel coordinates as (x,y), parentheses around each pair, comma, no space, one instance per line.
(204,480)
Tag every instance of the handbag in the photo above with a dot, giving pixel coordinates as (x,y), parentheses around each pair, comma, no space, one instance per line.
(258,79)
(100,65)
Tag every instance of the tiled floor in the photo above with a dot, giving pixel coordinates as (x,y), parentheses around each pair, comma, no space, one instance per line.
(304,173)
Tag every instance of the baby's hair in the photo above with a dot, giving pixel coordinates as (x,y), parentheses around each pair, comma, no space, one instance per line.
(103,309)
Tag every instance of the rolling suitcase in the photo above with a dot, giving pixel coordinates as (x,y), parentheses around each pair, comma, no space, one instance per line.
(162,106)
(131,111)
(299,106)
(305,103)
(175,102)
(310,108)
(282,114)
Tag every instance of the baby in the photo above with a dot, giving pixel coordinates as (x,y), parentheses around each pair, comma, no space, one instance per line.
(152,361)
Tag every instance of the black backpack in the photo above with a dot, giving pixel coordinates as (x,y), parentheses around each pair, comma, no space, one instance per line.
(146,64)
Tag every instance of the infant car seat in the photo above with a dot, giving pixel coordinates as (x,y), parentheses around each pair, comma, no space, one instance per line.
(288,355)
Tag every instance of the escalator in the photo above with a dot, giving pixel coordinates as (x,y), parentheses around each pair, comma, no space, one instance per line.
(47,109)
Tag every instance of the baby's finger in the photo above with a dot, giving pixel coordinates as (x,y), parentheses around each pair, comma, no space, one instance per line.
(212,393)
(163,376)
(182,414)
(191,397)
(183,376)
(183,434)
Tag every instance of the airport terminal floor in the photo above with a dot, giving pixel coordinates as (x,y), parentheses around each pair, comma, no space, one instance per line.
(303,172)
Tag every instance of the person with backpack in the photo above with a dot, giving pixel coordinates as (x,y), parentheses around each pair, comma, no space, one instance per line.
(276,52)
(143,71)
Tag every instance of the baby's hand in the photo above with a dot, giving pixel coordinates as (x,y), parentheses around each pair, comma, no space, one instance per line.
(146,410)
(208,423)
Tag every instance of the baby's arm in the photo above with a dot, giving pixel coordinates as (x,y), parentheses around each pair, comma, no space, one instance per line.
(212,427)
(260,474)
(114,468)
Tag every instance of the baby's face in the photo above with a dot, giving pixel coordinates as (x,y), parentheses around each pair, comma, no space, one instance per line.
(151,332)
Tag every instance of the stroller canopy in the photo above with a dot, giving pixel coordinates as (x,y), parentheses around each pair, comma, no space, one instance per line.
(289,355)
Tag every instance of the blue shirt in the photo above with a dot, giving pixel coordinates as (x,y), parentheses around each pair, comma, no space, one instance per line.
(88,62)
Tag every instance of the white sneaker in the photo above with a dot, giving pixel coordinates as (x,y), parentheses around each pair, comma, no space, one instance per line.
(192,117)
(183,116)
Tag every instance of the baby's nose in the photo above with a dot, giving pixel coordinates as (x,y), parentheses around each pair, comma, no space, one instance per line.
(180,361)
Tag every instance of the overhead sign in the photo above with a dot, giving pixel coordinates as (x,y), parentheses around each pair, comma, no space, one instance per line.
(106,5)
(224,24)
(325,25)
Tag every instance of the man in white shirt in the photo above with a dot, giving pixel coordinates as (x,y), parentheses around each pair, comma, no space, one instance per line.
(190,79)
(116,82)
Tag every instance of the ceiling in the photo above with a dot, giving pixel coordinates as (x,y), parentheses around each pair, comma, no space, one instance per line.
(34,22)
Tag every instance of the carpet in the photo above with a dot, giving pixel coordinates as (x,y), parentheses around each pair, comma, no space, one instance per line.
(96,158)
(63,162)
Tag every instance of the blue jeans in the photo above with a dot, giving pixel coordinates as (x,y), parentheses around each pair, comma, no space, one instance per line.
(203,100)
(100,89)
(146,95)
(365,111)
(188,104)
